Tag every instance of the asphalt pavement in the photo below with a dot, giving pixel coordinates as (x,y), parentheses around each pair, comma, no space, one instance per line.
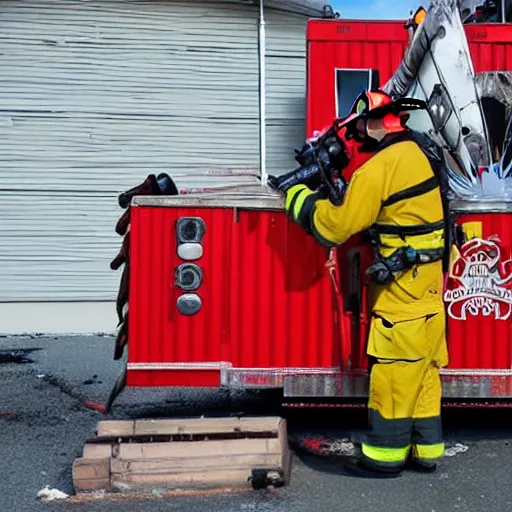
(43,424)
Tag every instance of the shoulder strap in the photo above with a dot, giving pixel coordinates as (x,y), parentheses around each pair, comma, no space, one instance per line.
(403,231)
(414,191)
(438,163)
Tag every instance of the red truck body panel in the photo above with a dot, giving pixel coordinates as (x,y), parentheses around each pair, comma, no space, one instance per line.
(262,297)
(270,316)
(479,324)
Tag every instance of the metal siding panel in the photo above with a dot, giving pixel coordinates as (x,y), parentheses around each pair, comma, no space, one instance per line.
(307,7)
(96,95)
(108,155)
(286,136)
(286,79)
(286,34)
(80,87)
(57,245)
(286,83)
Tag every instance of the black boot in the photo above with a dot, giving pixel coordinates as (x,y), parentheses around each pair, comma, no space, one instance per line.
(421,466)
(360,466)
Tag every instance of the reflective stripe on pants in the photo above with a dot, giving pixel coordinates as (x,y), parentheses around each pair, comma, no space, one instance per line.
(405,395)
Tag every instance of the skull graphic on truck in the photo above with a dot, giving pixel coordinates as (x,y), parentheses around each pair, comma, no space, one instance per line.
(480,280)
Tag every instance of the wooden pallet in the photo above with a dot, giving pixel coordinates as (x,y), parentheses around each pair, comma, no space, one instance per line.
(184,454)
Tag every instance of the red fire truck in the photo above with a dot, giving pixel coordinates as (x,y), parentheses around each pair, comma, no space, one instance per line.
(225,291)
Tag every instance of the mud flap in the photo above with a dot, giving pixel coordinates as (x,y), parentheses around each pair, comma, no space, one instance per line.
(116,390)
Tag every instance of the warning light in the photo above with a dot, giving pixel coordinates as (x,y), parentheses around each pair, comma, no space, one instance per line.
(419,16)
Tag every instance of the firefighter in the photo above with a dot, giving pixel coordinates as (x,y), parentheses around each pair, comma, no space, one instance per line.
(396,198)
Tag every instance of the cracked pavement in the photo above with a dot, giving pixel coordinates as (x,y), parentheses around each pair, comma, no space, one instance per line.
(43,425)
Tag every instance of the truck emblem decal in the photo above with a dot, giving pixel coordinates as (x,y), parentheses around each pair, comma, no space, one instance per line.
(479,281)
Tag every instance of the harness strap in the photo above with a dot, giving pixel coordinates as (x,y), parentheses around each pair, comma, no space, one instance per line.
(402,231)
(414,191)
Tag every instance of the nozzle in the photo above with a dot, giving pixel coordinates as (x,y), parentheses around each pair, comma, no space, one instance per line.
(309,176)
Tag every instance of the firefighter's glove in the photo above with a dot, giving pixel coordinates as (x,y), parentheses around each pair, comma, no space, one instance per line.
(300,201)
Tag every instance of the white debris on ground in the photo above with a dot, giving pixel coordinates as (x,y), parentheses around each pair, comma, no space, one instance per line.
(342,447)
(158,493)
(455,449)
(48,494)
(122,486)
(99,495)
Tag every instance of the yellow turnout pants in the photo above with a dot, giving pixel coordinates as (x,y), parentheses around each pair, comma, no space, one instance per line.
(405,390)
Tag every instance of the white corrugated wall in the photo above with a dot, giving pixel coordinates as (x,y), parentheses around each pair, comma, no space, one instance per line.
(286,88)
(94,95)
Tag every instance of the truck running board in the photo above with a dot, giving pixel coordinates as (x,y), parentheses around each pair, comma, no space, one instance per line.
(312,382)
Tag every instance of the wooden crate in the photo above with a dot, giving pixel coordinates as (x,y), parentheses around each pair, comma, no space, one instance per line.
(195,453)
